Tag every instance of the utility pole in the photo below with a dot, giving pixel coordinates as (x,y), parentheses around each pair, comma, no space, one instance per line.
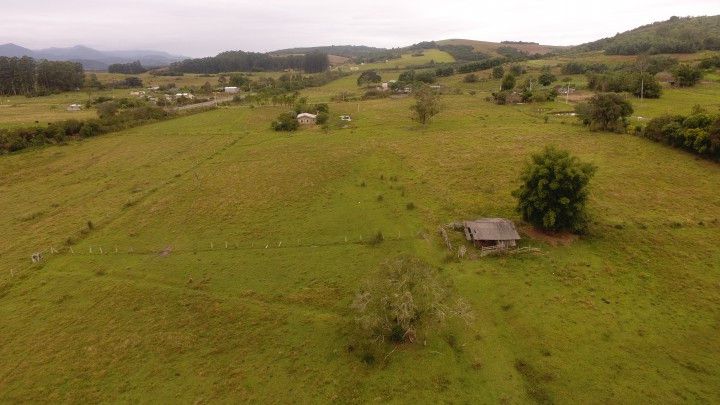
(567,94)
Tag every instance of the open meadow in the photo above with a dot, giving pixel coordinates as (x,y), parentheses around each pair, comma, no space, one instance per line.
(210,259)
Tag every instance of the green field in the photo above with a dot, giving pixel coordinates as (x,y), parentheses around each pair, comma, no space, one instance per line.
(209,259)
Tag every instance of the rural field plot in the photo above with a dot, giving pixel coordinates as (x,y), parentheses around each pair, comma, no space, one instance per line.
(240,250)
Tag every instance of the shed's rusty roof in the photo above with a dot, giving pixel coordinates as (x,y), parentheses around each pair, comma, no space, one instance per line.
(490,229)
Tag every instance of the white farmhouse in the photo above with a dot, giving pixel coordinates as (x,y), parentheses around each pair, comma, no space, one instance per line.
(307,119)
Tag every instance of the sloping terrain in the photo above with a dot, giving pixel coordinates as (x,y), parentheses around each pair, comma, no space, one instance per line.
(676,35)
(210,259)
(490,48)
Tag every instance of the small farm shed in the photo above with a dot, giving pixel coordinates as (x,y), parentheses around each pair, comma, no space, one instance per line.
(231,90)
(74,107)
(491,232)
(307,119)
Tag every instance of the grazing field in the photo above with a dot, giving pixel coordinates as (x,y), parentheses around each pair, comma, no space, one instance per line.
(20,111)
(208,258)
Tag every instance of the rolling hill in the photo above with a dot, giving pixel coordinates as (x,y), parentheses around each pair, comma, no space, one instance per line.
(676,35)
(491,48)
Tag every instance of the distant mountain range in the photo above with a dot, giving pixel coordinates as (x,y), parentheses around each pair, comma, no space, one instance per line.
(92,59)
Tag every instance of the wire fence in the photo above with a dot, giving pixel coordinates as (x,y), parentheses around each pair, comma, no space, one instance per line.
(166,249)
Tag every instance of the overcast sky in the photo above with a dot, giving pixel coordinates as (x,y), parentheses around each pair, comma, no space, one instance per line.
(206,27)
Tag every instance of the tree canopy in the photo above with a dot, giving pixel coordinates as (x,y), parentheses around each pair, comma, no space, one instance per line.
(554,191)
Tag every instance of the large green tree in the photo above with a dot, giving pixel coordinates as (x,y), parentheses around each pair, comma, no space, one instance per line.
(368,77)
(554,191)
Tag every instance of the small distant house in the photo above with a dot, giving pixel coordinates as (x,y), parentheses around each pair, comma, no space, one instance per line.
(186,95)
(74,107)
(307,119)
(231,90)
(385,86)
(346,118)
(497,233)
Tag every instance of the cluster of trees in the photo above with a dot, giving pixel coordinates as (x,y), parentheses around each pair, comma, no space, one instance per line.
(531,90)
(133,68)
(29,77)
(686,75)
(267,88)
(316,62)
(368,77)
(639,84)
(464,53)
(698,133)
(239,61)
(287,121)
(481,65)
(712,62)
(114,115)
(605,112)
(411,76)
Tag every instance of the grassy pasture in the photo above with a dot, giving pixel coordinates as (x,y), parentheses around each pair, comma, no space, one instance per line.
(407,60)
(20,111)
(627,314)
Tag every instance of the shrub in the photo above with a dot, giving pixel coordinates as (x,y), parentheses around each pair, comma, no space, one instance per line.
(508,82)
(686,75)
(517,70)
(470,78)
(285,122)
(553,192)
(322,118)
(546,78)
(402,299)
(498,72)
(426,106)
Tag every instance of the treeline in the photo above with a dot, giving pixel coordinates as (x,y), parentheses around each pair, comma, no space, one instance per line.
(115,115)
(268,89)
(698,133)
(639,84)
(239,61)
(132,68)
(358,53)
(26,76)
(481,65)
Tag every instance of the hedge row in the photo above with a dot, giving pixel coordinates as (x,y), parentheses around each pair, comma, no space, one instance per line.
(698,133)
(16,139)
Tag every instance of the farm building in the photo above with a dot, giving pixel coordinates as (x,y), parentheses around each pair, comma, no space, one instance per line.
(307,119)
(345,118)
(231,90)
(491,232)
(74,107)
